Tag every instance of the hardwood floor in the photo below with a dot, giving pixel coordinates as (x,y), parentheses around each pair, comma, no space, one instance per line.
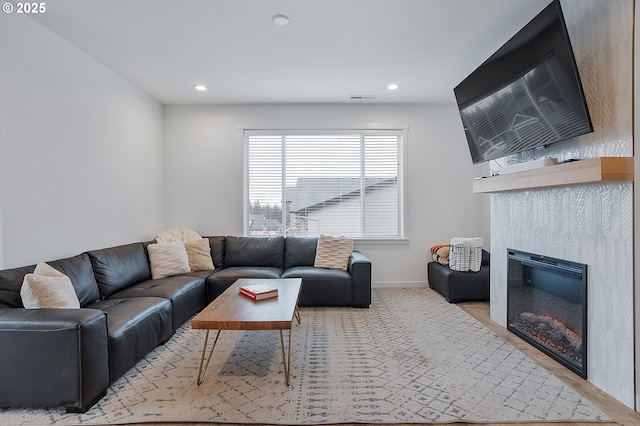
(620,413)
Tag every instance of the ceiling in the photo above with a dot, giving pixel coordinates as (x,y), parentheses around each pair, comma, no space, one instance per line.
(330,51)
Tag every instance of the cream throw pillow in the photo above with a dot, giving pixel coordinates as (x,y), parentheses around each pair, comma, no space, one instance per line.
(333,252)
(168,259)
(199,253)
(178,234)
(48,288)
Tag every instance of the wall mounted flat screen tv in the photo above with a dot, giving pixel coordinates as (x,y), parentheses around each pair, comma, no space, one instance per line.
(527,94)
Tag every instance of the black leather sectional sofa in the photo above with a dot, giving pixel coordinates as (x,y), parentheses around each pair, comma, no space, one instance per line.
(69,357)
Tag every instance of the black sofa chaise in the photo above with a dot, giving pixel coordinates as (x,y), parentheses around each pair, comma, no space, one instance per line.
(69,357)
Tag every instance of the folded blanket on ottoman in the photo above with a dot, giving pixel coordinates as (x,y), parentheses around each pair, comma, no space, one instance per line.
(440,253)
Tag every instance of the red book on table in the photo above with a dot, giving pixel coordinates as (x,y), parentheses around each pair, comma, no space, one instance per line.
(259,291)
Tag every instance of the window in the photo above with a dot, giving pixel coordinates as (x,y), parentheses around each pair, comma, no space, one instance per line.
(334,183)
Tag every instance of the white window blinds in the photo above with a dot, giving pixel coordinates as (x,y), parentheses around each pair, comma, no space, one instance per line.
(333,183)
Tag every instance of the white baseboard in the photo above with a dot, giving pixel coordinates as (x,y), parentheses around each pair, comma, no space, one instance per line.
(398,284)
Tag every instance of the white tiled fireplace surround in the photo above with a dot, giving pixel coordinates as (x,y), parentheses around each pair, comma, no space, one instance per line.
(593,223)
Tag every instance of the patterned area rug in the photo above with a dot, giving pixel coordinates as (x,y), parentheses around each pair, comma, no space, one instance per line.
(410,358)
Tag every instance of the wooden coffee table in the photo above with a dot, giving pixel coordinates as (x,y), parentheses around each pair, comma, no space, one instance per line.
(234,311)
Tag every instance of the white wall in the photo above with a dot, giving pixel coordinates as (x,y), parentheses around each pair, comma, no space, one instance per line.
(204,173)
(590,224)
(81,150)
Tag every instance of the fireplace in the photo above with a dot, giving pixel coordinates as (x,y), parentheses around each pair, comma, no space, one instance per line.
(547,306)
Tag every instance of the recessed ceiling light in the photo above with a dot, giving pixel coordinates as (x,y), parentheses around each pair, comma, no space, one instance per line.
(393,86)
(280,20)
(200,87)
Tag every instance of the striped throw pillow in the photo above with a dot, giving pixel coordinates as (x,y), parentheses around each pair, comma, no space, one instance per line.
(333,252)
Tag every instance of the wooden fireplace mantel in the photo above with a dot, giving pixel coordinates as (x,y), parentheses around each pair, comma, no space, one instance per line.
(594,170)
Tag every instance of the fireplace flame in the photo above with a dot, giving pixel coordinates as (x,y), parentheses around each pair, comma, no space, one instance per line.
(575,338)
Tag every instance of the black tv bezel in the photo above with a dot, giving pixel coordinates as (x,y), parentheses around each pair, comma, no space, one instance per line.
(466,96)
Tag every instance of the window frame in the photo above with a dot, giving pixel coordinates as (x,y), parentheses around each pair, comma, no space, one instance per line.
(400,131)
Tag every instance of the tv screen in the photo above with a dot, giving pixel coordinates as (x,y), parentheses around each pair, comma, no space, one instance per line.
(527,94)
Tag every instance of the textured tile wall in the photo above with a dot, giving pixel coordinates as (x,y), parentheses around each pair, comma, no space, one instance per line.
(592,224)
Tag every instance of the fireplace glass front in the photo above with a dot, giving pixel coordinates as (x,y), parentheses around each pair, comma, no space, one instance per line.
(547,306)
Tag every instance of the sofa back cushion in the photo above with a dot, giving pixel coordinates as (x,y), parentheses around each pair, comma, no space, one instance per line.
(254,251)
(79,270)
(217,244)
(299,251)
(117,268)
(10,284)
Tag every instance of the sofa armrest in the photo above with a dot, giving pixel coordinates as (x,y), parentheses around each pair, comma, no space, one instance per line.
(53,357)
(360,270)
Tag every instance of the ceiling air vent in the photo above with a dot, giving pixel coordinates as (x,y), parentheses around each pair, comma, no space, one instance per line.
(362,97)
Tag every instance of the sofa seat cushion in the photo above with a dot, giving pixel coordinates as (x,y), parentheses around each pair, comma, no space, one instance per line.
(236,272)
(188,295)
(222,279)
(318,274)
(135,326)
(322,287)
(117,268)
(199,274)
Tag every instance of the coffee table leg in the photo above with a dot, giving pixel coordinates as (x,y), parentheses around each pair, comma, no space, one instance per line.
(286,361)
(201,372)
(296,313)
